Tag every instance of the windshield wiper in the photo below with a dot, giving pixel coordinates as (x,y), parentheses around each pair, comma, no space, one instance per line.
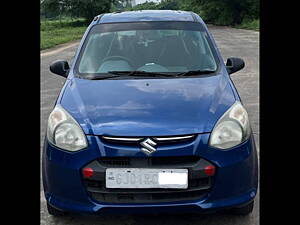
(116,74)
(100,77)
(195,72)
(140,73)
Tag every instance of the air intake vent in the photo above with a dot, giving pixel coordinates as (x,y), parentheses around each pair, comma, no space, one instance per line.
(174,161)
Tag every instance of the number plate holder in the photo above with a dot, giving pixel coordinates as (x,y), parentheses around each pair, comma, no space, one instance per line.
(146,178)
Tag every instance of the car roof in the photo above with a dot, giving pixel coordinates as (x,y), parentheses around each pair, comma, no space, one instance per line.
(149,15)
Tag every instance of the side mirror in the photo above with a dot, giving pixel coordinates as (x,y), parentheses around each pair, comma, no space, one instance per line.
(234,64)
(60,67)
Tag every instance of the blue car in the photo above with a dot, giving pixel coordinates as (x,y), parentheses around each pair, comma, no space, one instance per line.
(149,121)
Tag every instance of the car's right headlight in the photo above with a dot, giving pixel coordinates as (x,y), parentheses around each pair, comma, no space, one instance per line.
(231,129)
(64,132)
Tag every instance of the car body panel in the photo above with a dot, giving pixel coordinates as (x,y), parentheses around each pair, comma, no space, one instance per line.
(147,107)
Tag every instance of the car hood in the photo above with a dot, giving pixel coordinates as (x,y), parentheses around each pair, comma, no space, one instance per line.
(148,107)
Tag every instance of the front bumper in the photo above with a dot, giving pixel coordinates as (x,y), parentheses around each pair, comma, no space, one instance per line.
(234,184)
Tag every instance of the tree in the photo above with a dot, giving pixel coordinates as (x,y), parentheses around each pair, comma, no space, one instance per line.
(50,8)
(219,12)
(228,12)
(87,9)
(169,4)
(118,5)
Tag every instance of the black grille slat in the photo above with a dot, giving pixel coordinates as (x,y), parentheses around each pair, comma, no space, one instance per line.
(174,161)
(145,191)
(115,161)
(148,198)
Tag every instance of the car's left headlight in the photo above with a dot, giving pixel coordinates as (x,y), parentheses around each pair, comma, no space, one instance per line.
(231,129)
(64,132)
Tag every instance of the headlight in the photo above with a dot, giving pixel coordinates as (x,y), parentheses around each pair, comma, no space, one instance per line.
(231,129)
(64,132)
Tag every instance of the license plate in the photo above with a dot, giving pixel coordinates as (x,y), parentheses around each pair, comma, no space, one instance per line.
(146,178)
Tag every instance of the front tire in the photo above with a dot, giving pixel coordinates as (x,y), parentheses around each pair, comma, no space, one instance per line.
(244,210)
(54,212)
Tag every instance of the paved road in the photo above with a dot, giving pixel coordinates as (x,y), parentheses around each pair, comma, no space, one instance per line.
(231,42)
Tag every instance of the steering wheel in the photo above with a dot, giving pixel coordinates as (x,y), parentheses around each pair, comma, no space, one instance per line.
(117,57)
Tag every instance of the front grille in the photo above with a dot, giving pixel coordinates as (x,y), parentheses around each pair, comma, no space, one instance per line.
(199,184)
(159,140)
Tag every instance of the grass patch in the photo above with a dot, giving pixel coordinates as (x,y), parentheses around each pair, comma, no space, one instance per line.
(58,32)
(250,25)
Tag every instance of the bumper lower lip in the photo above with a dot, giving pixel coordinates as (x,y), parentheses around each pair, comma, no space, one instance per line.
(189,207)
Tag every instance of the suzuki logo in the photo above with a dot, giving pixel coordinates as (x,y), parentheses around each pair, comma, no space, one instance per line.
(148,145)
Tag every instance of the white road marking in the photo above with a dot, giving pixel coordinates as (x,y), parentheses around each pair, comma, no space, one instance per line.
(42,197)
(252,104)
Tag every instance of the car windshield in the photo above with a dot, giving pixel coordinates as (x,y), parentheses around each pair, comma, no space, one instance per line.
(140,47)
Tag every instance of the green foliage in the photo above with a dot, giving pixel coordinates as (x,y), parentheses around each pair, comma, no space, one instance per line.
(63,27)
(87,9)
(189,5)
(118,5)
(169,4)
(219,12)
(228,12)
(47,25)
(51,8)
(249,24)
